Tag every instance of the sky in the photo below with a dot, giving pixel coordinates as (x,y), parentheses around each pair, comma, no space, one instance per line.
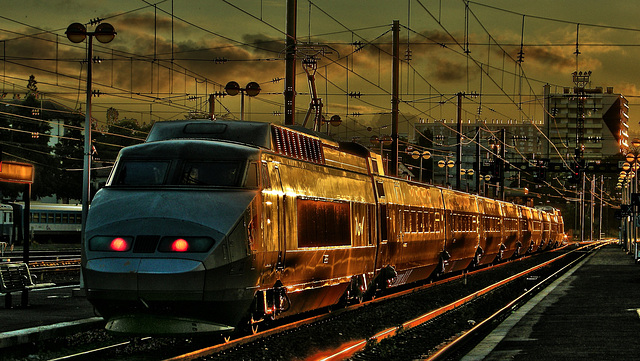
(168,56)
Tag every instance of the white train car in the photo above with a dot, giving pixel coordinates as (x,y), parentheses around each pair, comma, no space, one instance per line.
(6,223)
(55,222)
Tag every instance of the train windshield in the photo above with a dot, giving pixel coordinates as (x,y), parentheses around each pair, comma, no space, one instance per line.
(141,173)
(221,173)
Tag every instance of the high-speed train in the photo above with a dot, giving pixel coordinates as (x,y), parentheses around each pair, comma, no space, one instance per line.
(212,226)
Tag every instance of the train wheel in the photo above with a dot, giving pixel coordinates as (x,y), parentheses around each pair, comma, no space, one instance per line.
(476,258)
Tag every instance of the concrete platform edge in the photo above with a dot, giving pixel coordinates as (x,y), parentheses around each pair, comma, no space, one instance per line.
(41,333)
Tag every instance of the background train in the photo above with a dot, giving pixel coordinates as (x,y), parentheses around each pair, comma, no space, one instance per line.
(48,222)
(210,226)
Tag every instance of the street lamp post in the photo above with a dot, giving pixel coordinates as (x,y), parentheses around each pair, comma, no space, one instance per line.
(422,155)
(464,174)
(485,179)
(233,88)
(446,164)
(76,33)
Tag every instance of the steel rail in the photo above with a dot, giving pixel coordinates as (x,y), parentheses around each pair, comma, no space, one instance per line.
(452,346)
(357,345)
(96,350)
(350,348)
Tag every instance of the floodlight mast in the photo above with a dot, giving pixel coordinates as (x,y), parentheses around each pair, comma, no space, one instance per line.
(77,33)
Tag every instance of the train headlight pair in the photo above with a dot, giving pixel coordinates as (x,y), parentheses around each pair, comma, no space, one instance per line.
(166,244)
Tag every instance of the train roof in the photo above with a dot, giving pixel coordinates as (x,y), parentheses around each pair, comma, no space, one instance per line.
(292,140)
(254,133)
(247,132)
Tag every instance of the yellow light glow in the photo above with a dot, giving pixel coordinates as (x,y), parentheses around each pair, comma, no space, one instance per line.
(17,172)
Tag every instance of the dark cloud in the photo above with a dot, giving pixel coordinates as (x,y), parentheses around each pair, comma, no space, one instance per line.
(135,22)
(262,44)
(448,71)
(435,36)
(547,56)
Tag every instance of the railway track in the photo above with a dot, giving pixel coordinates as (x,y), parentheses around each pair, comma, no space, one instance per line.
(475,316)
(38,258)
(373,330)
(348,333)
(50,267)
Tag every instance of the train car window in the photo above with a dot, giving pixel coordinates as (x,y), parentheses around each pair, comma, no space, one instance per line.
(221,173)
(35,217)
(65,218)
(407,221)
(141,173)
(49,217)
(58,218)
(266,182)
(252,176)
(238,243)
(384,219)
(420,221)
(323,223)
(374,166)
(380,189)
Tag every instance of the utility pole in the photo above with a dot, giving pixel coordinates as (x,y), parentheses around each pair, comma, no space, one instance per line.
(582,208)
(600,222)
(478,160)
(581,80)
(459,144)
(593,203)
(395,98)
(503,152)
(290,64)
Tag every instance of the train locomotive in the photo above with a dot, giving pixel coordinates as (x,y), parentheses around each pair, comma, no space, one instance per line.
(215,226)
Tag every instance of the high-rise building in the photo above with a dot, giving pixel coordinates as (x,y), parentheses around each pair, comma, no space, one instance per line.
(604,131)
(595,118)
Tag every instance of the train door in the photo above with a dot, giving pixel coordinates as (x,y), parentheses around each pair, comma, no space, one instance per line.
(382,258)
(271,223)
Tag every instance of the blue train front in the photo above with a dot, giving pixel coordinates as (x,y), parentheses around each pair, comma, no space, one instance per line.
(208,227)
(167,240)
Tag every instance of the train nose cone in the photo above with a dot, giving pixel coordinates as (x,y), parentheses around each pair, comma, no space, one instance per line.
(146,278)
(218,211)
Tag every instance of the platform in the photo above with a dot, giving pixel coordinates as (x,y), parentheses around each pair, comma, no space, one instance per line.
(52,312)
(590,313)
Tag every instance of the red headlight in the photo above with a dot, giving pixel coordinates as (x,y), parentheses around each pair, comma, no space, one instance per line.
(110,243)
(179,245)
(119,244)
(185,244)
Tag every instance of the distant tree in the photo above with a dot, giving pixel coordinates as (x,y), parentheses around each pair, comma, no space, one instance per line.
(32,86)
(118,134)
(69,152)
(112,115)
